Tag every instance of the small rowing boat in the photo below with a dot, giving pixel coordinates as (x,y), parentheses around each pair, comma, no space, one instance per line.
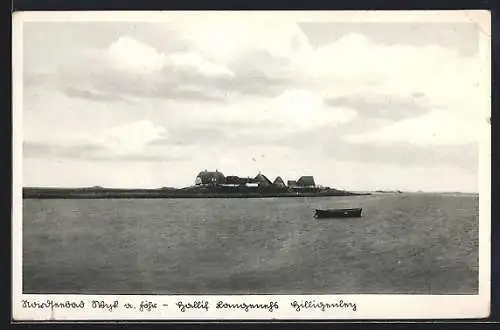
(338,213)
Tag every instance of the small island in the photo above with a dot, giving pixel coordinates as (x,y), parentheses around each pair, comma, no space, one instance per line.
(208,184)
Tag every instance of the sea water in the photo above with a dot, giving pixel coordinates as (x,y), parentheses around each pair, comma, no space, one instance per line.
(404,243)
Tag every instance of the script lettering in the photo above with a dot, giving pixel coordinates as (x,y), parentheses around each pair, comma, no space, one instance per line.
(192,305)
(271,306)
(313,304)
(101,304)
(53,304)
(147,306)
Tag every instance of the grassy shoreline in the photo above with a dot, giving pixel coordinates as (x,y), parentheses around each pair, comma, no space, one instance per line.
(102,193)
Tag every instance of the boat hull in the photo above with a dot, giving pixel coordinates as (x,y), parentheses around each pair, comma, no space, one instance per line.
(339,213)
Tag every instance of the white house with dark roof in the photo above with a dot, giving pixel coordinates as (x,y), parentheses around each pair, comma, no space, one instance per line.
(208,177)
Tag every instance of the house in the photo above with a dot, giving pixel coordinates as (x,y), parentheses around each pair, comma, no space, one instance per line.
(292,183)
(306,182)
(230,185)
(232,179)
(278,182)
(207,177)
(262,180)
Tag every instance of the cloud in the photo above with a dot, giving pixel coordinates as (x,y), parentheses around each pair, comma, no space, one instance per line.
(327,144)
(266,57)
(177,86)
(93,152)
(202,136)
(392,107)
(450,83)
(130,139)
(51,116)
(449,35)
(324,144)
(47,150)
(109,86)
(405,154)
(90,95)
(292,111)
(224,90)
(257,58)
(435,128)
(199,63)
(126,142)
(393,69)
(129,55)
(129,67)
(405,69)
(228,38)
(302,109)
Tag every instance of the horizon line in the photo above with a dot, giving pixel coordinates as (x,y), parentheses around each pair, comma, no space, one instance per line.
(386,190)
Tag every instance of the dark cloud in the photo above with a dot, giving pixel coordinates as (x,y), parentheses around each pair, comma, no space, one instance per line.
(170,83)
(118,86)
(383,106)
(160,142)
(406,154)
(325,143)
(328,144)
(256,83)
(137,158)
(69,67)
(257,73)
(183,84)
(45,150)
(89,95)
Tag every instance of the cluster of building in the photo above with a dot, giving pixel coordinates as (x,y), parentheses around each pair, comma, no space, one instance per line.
(219,179)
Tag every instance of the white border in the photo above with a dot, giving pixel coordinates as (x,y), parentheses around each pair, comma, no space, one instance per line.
(367,306)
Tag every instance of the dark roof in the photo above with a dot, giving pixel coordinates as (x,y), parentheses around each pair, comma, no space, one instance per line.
(233,179)
(292,183)
(278,181)
(209,177)
(306,181)
(238,180)
(261,178)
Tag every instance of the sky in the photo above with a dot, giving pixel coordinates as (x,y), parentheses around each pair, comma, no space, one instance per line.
(360,106)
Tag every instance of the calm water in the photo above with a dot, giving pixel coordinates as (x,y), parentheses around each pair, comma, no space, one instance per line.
(409,243)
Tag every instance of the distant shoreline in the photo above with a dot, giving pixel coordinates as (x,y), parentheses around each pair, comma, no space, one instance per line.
(190,192)
(114,193)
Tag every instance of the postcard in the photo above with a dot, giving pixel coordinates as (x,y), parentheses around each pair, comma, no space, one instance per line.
(257,165)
